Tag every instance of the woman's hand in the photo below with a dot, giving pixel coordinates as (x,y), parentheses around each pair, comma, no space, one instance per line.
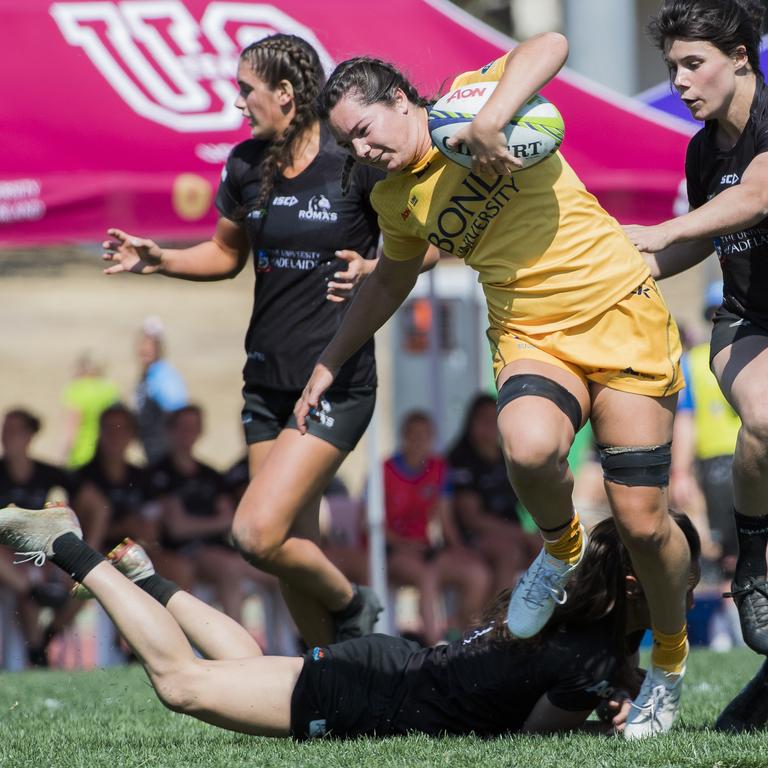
(307,405)
(131,254)
(344,284)
(488,148)
(621,709)
(649,239)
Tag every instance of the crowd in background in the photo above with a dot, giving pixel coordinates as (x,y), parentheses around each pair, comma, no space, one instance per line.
(455,532)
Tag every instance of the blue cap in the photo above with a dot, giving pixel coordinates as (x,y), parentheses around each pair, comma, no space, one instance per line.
(713,296)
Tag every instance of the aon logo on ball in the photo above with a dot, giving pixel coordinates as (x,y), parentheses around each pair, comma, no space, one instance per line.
(533,133)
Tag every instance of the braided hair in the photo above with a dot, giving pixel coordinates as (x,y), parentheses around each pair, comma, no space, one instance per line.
(370,81)
(285,57)
(726,24)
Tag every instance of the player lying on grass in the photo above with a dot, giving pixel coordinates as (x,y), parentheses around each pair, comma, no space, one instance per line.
(487,683)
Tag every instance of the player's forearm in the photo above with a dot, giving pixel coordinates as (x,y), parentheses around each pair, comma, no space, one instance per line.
(677,258)
(376,301)
(530,66)
(736,208)
(210,260)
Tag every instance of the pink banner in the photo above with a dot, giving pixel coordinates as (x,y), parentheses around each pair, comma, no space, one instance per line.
(121,113)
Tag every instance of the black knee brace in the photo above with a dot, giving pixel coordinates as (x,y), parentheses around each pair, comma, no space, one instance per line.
(646,465)
(525,384)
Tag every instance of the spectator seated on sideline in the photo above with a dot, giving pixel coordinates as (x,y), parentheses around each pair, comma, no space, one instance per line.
(342,535)
(486,506)
(29,483)
(417,503)
(196,518)
(114,497)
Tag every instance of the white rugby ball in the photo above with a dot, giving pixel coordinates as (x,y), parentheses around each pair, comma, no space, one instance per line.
(533,133)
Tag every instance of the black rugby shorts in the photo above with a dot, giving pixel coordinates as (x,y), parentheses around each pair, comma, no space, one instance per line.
(343,415)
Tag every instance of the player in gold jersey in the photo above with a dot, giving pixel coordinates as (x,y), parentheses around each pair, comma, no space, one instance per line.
(577,328)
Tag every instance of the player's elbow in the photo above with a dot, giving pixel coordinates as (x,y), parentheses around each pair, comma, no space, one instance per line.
(557,44)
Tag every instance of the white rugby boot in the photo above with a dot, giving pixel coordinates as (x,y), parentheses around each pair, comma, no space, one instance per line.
(656,707)
(539,590)
(31,532)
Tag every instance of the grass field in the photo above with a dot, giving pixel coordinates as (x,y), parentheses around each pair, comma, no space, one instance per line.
(111,718)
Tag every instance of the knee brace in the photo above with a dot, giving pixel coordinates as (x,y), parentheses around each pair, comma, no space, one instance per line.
(525,384)
(646,465)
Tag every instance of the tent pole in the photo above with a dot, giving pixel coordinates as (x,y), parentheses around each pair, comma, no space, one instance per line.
(377,558)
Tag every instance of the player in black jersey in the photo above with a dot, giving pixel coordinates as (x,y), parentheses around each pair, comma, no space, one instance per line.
(486,683)
(281,197)
(712,49)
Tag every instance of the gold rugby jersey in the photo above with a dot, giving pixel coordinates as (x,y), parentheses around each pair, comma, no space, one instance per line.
(547,255)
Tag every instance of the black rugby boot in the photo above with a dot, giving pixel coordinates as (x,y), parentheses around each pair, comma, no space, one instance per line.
(751,598)
(359,617)
(749,588)
(749,710)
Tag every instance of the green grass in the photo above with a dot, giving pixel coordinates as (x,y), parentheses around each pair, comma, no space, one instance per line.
(111,718)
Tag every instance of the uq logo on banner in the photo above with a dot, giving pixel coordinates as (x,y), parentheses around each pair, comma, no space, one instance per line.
(168,66)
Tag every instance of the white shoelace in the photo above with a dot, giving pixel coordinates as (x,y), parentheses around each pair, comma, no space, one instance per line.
(37,558)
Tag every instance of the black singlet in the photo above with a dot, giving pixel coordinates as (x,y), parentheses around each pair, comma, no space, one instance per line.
(33,493)
(471,472)
(125,498)
(709,170)
(307,220)
(199,492)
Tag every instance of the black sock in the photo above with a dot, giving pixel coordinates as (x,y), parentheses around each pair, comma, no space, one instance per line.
(74,556)
(353,606)
(159,588)
(752,535)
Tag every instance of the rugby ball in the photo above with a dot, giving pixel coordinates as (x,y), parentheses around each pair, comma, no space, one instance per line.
(533,134)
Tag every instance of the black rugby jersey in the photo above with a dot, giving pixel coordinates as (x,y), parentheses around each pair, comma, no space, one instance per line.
(491,688)
(198,492)
(125,498)
(391,686)
(471,472)
(709,170)
(307,220)
(33,493)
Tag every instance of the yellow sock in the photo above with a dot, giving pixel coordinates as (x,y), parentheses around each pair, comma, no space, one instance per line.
(670,651)
(568,547)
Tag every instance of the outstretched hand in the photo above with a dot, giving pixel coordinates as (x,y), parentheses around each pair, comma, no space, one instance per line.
(307,405)
(131,254)
(344,284)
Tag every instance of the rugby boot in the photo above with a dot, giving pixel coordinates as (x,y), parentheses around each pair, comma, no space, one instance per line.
(129,558)
(362,619)
(31,532)
(751,598)
(748,711)
(539,590)
(655,708)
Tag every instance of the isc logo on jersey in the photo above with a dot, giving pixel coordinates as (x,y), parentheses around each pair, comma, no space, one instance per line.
(286,201)
(318,209)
